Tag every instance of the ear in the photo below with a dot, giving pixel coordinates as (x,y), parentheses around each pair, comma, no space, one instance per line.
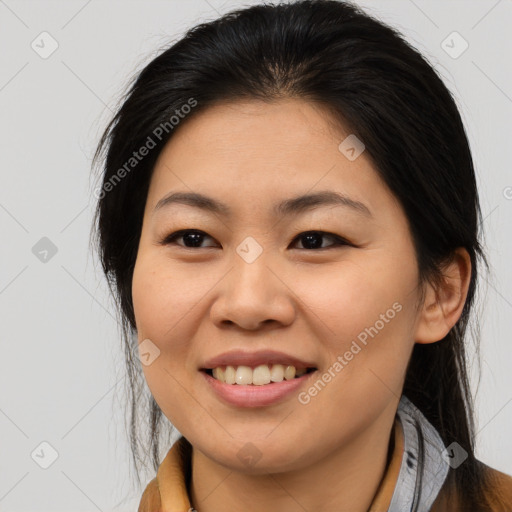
(443,306)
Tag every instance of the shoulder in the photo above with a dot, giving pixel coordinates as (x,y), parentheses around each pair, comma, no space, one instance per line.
(170,483)
(500,488)
(150,500)
(497,492)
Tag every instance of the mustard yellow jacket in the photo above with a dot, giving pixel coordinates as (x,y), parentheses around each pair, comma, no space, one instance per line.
(167,492)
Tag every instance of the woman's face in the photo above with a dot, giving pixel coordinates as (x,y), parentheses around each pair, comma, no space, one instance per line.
(251,280)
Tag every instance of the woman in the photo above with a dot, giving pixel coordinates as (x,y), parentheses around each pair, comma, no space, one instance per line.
(289,220)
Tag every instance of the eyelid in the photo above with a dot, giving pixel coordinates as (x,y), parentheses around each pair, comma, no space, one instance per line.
(339,240)
(169,239)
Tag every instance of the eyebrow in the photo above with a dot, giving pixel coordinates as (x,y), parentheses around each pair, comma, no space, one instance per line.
(294,205)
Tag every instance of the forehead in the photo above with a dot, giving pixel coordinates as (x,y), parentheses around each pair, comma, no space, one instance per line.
(255,152)
(248,123)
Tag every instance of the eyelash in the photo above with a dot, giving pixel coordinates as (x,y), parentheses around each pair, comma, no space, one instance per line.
(170,239)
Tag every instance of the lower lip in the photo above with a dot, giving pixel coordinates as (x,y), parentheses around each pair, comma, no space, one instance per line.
(255,396)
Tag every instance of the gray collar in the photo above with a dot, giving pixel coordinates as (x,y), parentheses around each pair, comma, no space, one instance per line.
(424,468)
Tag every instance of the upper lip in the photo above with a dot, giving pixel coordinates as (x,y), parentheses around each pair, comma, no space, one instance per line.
(242,357)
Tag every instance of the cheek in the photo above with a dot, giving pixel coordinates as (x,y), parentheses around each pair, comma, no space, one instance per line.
(162,296)
(366,325)
(354,295)
(160,301)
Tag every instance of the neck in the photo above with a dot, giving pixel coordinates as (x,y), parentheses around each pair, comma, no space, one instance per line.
(346,480)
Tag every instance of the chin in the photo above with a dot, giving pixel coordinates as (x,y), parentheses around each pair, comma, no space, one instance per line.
(255,456)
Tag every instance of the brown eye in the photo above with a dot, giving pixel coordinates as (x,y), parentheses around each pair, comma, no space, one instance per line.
(313,240)
(191,238)
(310,240)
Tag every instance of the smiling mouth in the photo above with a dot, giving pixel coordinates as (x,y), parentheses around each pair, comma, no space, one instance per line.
(256,376)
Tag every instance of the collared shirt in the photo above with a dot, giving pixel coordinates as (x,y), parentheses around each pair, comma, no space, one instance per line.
(413,480)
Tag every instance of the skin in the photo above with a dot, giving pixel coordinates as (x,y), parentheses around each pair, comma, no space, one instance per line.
(195,303)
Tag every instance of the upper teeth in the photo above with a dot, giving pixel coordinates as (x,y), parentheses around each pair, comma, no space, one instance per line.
(263,374)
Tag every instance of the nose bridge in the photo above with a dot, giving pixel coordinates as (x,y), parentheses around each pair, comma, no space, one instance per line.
(252,293)
(252,276)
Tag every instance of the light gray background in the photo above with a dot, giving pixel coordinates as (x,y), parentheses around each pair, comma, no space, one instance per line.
(61,365)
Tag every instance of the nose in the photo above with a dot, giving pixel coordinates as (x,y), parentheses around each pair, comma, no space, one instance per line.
(253,295)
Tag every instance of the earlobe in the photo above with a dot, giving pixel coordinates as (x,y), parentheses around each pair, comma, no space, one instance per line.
(443,306)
